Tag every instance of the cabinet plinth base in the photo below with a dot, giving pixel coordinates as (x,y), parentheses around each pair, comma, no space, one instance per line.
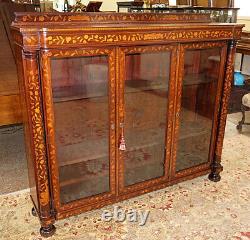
(47,231)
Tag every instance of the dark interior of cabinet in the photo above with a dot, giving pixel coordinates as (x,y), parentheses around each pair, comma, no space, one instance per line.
(81,107)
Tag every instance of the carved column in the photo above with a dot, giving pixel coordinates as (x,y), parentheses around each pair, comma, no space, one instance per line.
(38,142)
(216,166)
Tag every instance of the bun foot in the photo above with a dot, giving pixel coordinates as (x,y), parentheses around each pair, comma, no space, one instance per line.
(33,212)
(47,231)
(214,177)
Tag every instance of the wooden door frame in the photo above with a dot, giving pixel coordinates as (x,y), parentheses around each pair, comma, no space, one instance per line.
(202,168)
(85,204)
(148,184)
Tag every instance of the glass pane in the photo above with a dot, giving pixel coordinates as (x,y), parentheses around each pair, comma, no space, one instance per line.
(80,95)
(197,107)
(146,93)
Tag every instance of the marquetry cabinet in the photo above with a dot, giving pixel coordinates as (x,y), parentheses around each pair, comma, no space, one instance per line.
(117,105)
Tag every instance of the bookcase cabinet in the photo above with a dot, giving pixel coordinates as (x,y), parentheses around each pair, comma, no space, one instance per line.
(117,105)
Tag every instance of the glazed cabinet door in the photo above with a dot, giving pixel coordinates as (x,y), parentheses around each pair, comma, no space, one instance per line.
(198,95)
(79,96)
(146,95)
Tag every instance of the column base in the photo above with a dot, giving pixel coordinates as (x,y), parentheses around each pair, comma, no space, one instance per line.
(47,231)
(214,177)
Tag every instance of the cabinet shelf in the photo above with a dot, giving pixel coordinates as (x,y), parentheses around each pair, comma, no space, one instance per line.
(72,93)
(134,164)
(90,178)
(191,131)
(136,85)
(96,147)
(86,177)
(98,90)
(197,79)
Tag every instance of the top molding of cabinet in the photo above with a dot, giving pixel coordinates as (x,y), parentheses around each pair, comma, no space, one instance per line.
(108,18)
(53,30)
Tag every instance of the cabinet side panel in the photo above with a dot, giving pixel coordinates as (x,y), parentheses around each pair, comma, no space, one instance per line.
(31,169)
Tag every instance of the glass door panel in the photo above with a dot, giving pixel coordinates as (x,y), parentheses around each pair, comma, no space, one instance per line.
(146,99)
(80,87)
(199,91)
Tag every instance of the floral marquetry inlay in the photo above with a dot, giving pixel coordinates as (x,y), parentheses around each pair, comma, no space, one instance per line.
(225,98)
(136,37)
(107,17)
(36,118)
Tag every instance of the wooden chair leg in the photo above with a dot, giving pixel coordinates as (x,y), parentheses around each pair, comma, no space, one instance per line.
(33,211)
(243,110)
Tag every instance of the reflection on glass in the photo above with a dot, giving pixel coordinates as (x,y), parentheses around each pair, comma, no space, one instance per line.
(197,107)
(80,95)
(146,95)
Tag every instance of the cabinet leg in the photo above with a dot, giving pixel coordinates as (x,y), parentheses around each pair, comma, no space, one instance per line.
(214,177)
(216,169)
(33,212)
(47,231)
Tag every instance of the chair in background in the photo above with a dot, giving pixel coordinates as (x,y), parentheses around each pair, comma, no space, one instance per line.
(244,107)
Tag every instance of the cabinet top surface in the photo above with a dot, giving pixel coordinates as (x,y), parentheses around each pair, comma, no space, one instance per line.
(106,20)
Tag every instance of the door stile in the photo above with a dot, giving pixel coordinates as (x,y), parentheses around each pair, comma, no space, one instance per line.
(49,125)
(120,117)
(205,166)
(174,69)
(83,203)
(112,119)
(177,106)
(117,99)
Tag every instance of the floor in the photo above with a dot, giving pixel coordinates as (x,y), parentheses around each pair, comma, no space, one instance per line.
(195,210)
(13,170)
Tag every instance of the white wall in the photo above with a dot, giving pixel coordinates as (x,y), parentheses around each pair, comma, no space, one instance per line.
(244,13)
(107,5)
(246,21)
(110,5)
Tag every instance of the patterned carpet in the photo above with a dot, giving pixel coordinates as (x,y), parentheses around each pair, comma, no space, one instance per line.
(193,210)
(13,164)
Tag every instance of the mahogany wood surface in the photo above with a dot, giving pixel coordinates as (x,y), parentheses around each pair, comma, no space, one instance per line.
(110,100)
